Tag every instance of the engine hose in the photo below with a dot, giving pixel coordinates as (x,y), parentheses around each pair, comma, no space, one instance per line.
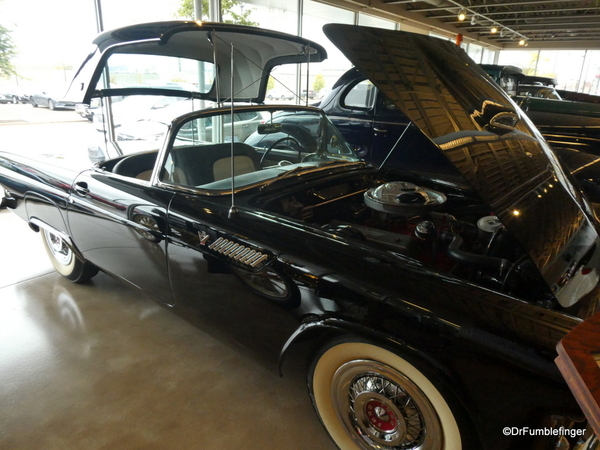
(488,262)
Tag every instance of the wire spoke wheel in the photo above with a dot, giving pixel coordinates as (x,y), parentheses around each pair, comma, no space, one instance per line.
(270,284)
(371,399)
(267,282)
(381,407)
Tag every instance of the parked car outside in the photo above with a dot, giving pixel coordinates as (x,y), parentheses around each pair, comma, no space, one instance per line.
(130,108)
(52,99)
(430,298)
(12,93)
(280,94)
(311,94)
(148,133)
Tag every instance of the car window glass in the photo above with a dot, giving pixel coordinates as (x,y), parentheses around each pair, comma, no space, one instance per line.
(157,72)
(388,105)
(200,131)
(361,95)
(509,85)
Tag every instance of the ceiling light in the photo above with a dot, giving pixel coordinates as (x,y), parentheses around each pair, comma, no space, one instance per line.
(502,32)
(462,14)
(494,29)
(473,20)
(523,42)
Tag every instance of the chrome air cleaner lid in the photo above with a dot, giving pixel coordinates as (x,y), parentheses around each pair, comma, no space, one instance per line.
(400,197)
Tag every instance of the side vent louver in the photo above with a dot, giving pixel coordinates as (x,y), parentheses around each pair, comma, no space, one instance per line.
(238,252)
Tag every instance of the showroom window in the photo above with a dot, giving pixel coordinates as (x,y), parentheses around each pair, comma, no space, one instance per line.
(488,56)
(475,52)
(273,14)
(575,70)
(367,20)
(314,17)
(590,76)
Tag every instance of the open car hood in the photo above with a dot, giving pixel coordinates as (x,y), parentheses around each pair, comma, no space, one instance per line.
(488,139)
(256,52)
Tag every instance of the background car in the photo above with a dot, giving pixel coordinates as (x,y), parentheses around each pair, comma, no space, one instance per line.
(311,94)
(14,93)
(280,94)
(50,99)
(371,123)
(538,90)
(147,133)
(131,108)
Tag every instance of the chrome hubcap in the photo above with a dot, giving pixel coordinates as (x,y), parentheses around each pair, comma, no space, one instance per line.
(60,251)
(382,409)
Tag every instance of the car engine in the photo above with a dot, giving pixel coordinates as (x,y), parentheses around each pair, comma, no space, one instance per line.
(449,232)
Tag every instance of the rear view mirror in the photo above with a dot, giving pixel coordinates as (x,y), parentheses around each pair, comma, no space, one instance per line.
(269,128)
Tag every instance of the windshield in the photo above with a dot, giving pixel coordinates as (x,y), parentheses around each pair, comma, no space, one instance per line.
(260,144)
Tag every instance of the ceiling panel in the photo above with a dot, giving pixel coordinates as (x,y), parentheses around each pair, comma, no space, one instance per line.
(541,24)
(548,21)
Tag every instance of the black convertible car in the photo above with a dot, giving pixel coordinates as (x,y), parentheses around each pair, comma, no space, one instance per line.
(433,290)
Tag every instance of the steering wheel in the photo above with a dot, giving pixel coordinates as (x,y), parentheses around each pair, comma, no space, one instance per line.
(292,139)
(311,157)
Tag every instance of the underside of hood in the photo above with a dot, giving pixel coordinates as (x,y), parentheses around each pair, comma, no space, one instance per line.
(485,136)
(255,53)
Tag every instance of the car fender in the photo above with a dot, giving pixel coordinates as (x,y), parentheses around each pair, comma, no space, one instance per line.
(323,329)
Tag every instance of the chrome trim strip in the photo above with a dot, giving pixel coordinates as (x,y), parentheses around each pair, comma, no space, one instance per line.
(238,252)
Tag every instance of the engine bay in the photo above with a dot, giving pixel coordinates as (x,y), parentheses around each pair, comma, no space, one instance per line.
(439,226)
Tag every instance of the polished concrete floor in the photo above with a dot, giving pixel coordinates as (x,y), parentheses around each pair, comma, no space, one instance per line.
(102,366)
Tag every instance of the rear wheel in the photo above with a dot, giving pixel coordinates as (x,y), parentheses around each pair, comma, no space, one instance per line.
(270,284)
(51,104)
(64,260)
(371,399)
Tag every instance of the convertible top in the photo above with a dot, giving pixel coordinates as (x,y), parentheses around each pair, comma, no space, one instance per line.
(255,51)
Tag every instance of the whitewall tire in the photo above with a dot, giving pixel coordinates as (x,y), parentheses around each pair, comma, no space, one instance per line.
(369,398)
(64,260)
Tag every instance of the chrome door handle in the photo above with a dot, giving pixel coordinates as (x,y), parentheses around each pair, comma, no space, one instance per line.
(81,188)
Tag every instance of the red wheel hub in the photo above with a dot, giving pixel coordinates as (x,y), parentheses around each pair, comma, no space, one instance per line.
(381,416)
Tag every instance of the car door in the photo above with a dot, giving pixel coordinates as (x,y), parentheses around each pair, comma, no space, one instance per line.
(368,120)
(194,222)
(353,115)
(119,223)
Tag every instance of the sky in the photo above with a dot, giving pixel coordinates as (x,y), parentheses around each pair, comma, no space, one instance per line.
(55,33)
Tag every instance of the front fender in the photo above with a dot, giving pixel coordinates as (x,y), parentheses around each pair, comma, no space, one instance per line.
(323,329)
